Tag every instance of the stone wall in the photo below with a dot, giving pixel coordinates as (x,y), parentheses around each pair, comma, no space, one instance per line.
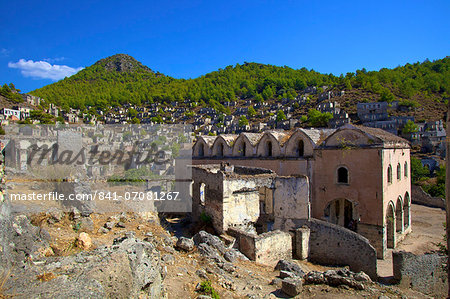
(420,197)
(212,193)
(424,273)
(267,248)
(331,244)
(376,235)
(291,201)
(287,166)
(241,208)
(5,220)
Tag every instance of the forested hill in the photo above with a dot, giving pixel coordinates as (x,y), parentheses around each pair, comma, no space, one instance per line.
(121,79)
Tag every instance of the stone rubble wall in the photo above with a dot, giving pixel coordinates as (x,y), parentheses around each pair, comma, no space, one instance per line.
(331,244)
(424,273)
(420,197)
(265,249)
(5,219)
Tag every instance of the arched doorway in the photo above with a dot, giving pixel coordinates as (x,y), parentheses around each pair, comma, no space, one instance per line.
(342,212)
(399,215)
(390,225)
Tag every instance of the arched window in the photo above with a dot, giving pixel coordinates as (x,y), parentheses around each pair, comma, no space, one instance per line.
(220,151)
(201,150)
(342,175)
(389,174)
(269,149)
(301,148)
(243,148)
(406,170)
(399,172)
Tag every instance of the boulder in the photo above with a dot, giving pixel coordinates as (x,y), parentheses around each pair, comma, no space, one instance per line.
(285,274)
(25,240)
(87,206)
(55,215)
(292,286)
(85,224)
(290,266)
(335,278)
(128,269)
(185,244)
(315,277)
(361,276)
(211,240)
(276,282)
(210,253)
(84,241)
(232,255)
(63,287)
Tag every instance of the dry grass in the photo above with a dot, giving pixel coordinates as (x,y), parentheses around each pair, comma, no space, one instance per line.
(3,278)
(46,276)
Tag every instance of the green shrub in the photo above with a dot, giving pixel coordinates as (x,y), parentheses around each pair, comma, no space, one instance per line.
(207,289)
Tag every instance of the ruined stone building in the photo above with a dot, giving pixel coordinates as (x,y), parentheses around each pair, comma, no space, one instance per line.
(356,177)
(242,197)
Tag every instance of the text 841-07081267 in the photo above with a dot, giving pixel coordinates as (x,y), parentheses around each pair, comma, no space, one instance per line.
(136,195)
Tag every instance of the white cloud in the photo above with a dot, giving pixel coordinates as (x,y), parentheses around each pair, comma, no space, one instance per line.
(43,69)
(57,59)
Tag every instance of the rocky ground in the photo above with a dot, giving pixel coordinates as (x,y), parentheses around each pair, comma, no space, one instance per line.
(67,254)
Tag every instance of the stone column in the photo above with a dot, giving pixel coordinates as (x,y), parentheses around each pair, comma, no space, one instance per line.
(302,242)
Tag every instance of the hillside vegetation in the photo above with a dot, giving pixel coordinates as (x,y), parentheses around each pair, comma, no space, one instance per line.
(121,79)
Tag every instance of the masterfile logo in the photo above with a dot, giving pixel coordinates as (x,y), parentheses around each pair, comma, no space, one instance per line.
(108,167)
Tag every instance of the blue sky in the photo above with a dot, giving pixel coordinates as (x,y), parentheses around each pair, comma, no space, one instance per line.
(41,41)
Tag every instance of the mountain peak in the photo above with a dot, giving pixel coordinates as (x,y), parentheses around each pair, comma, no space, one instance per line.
(122,63)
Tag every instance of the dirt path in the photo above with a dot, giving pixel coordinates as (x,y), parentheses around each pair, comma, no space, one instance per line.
(427,231)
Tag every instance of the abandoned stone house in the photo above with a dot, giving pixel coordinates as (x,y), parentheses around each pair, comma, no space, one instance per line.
(248,198)
(355,176)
